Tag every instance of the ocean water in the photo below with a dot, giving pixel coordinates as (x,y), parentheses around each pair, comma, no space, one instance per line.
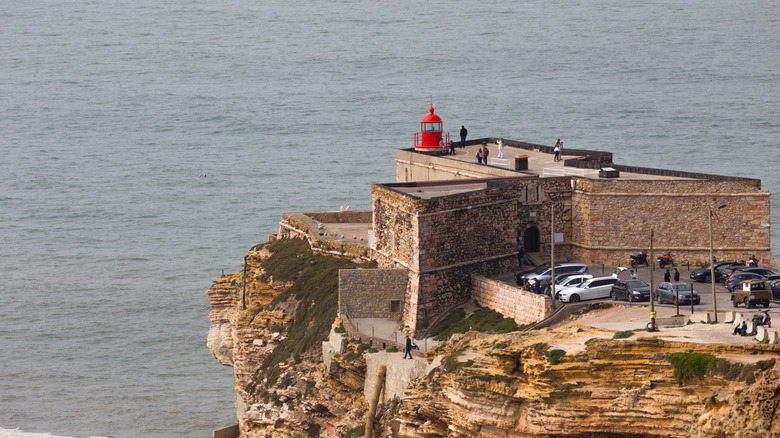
(145,146)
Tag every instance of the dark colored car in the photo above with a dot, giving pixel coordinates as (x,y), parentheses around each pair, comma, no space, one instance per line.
(726,271)
(776,290)
(631,290)
(670,292)
(702,275)
(764,272)
(738,277)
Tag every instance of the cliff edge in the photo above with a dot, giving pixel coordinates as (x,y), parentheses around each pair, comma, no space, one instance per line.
(572,381)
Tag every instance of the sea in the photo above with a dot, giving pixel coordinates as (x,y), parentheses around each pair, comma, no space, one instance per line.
(145,146)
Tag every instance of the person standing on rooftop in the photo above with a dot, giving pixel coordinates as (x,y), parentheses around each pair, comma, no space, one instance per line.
(501,147)
(463,133)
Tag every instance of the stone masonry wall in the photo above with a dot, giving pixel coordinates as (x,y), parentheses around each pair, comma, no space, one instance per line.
(613,219)
(367,293)
(523,307)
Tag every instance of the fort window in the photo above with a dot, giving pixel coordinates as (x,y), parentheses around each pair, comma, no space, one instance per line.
(395,306)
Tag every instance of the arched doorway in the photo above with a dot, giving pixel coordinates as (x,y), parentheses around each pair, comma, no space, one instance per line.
(531,239)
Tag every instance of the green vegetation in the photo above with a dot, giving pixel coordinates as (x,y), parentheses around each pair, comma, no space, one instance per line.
(623,334)
(481,319)
(690,365)
(309,388)
(451,362)
(499,345)
(554,356)
(356,432)
(315,287)
(392,349)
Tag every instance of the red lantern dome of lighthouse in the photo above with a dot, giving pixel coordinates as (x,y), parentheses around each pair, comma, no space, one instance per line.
(430,136)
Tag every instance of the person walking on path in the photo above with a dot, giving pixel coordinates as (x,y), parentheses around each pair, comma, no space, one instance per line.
(408,347)
(479,156)
(676,275)
(557,151)
(484,153)
(463,133)
(501,147)
(667,276)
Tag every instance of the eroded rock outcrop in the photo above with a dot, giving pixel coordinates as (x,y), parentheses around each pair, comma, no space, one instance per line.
(570,382)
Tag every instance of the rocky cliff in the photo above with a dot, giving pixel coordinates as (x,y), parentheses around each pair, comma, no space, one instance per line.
(570,382)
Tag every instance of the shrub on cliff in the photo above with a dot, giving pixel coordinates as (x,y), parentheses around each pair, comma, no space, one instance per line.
(315,289)
(690,365)
(482,319)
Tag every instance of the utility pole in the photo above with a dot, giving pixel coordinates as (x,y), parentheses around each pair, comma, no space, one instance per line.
(652,292)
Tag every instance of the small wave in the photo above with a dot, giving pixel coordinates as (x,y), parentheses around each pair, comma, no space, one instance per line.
(16,433)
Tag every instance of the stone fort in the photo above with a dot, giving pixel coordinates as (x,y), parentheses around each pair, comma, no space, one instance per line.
(449,223)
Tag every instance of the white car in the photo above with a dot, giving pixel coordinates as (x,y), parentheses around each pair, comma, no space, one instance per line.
(572,280)
(592,289)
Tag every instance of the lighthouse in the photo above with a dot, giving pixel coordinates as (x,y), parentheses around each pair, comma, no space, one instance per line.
(429,139)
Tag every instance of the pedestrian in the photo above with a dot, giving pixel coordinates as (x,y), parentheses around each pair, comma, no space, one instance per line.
(479,156)
(452,148)
(442,146)
(676,275)
(463,133)
(557,150)
(501,147)
(743,329)
(520,256)
(667,276)
(485,153)
(634,276)
(408,347)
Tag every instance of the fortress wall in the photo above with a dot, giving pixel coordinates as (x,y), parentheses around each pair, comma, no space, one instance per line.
(442,241)
(302,226)
(368,293)
(523,307)
(613,218)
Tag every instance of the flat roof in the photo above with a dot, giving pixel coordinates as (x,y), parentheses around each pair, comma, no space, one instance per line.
(542,164)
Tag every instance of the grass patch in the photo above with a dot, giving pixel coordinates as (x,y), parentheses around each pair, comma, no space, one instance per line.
(554,356)
(392,349)
(499,345)
(688,366)
(623,334)
(482,319)
(315,287)
(309,388)
(356,432)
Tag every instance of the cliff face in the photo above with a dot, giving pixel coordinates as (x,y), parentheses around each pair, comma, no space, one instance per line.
(571,382)
(609,388)
(295,397)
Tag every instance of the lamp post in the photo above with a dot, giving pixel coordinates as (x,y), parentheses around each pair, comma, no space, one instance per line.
(712,269)
(652,325)
(552,252)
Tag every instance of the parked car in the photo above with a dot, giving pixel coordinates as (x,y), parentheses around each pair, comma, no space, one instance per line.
(592,289)
(572,280)
(738,277)
(631,290)
(764,272)
(776,290)
(752,293)
(544,271)
(671,292)
(702,275)
(726,271)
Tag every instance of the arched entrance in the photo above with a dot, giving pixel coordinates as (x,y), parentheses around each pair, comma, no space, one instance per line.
(531,239)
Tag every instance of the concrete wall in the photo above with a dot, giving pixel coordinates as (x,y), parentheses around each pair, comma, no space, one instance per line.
(523,307)
(367,293)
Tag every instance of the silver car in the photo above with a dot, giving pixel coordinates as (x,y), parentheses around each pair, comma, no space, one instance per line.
(672,292)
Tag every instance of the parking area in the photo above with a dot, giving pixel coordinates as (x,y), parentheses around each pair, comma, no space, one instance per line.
(722,296)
